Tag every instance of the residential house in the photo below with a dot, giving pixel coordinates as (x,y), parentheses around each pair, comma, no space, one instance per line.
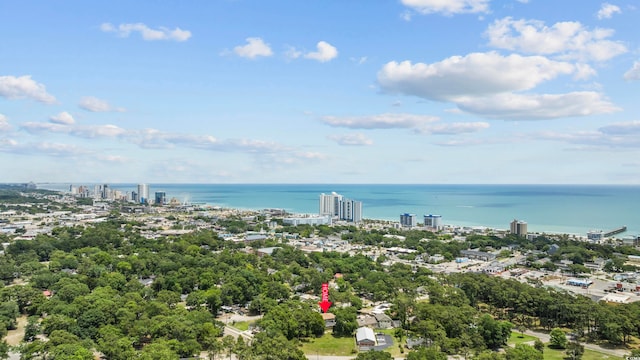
(367,321)
(329,320)
(383,321)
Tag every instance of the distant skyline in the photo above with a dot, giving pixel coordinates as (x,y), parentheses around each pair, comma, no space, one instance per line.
(390,91)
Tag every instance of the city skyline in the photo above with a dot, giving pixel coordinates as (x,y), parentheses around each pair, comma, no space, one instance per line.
(398,91)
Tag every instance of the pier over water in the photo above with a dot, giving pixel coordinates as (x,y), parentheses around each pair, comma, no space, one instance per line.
(615,231)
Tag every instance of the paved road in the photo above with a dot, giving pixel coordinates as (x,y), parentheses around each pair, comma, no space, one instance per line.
(544,337)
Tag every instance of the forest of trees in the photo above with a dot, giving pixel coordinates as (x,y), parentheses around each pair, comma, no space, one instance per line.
(98,302)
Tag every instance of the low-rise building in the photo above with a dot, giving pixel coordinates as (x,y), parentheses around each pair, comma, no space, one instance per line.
(329,320)
(365,338)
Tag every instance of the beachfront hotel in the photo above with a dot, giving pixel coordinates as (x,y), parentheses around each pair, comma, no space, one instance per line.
(408,220)
(519,227)
(433,221)
(341,208)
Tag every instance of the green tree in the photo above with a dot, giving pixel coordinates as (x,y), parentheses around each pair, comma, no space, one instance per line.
(4,350)
(159,350)
(74,351)
(346,323)
(523,352)
(558,339)
(9,311)
(495,333)
(374,355)
(538,345)
(430,353)
(575,350)
(32,328)
(276,347)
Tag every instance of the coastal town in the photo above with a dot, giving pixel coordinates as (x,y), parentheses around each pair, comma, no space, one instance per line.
(606,277)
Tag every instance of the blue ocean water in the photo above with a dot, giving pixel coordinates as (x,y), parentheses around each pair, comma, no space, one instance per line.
(572,209)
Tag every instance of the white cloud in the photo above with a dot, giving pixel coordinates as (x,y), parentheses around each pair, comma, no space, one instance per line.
(292,53)
(607,10)
(634,72)
(4,123)
(448,7)
(584,72)
(488,84)
(567,40)
(117,159)
(325,52)
(87,132)
(162,33)
(382,121)
(94,104)
(22,87)
(63,118)
(41,148)
(615,136)
(538,107)
(421,124)
(622,128)
(476,74)
(351,139)
(58,149)
(361,60)
(156,139)
(255,47)
(454,128)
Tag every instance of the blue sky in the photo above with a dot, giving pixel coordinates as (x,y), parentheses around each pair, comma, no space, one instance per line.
(330,91)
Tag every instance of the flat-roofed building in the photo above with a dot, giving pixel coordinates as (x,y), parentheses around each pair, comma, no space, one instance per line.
(408,220)
(433,221)
(519,227)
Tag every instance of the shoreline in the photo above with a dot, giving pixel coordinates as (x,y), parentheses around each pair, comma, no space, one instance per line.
(385,202)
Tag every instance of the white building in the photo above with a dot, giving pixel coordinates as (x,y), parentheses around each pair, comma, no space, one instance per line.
(408,220)
(339,207)
(307,220)
(595,235)
(433,221)
(143,193)
(330,204)
(351,210)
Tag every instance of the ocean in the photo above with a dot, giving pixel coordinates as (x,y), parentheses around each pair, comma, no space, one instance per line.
(570,209)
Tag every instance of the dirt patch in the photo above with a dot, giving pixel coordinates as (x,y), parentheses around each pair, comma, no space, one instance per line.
(14,337)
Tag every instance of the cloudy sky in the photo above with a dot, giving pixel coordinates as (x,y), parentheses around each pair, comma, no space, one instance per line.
(320,91)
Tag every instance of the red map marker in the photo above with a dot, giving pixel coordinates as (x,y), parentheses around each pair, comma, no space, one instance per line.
(325,304)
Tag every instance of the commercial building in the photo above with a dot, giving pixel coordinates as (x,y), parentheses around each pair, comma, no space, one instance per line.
(161,198)
(579,282)
(433,221)
(307,220)
(330,204)
(365,338)
(143,193)
(408,220)
(595,235)
(519,228)
(338,207)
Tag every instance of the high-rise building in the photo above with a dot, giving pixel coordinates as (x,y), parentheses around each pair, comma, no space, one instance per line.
(106,192)
(330,204)
(351,210)
(339,207)
(433,221)
(143,193)
(161,198)
(408,220)
(519,228)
